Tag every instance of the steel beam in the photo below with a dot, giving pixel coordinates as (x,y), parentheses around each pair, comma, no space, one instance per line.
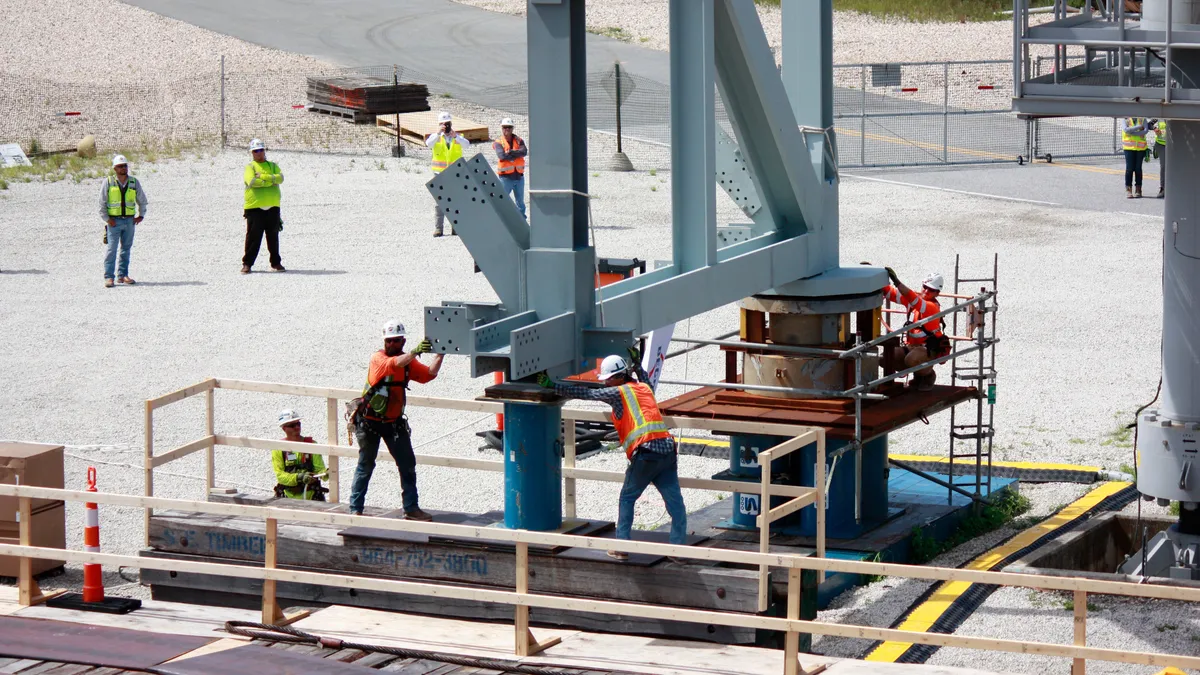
(693,135)
(808,42)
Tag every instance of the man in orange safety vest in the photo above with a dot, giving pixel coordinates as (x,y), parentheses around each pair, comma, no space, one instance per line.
(644,436)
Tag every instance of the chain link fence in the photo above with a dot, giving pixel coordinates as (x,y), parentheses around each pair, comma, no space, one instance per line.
(904,114)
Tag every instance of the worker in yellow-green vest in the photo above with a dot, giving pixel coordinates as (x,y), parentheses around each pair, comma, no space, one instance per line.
(297,474)
(261,211)
(1133,141)
(447,145)
(122,206)
(1160,153)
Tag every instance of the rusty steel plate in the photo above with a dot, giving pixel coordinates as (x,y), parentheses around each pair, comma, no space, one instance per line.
(47,640)
(260,661)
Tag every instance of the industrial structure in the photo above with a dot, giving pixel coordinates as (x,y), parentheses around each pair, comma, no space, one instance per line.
(1113,63)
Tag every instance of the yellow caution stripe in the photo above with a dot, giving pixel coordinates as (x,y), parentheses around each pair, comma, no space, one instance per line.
(924,616)
(1038,466)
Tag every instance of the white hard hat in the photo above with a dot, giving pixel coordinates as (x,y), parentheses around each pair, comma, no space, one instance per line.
(612,365)
(393,329)
(288,416)
(934,281)
(257,145)
(506,122)
(119,159)
(443,117)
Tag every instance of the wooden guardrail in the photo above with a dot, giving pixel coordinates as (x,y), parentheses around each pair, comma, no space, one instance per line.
(798,437)
(521,599)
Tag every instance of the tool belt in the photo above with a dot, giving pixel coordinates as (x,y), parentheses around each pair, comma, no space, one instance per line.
(937,345)
(316,492)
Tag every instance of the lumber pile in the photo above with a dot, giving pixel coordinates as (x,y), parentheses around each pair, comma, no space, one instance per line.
(417,126)
(372,95)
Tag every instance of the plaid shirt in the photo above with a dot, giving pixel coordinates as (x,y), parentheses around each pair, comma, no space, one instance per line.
(612,396)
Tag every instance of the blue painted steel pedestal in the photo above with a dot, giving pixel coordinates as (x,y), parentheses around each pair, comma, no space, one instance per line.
(532,466)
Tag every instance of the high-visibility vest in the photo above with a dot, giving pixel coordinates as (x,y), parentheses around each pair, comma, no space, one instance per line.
(445,152)
(510,166)
(1132,140)
(1160,133)
(122,202)
(261,197)
(642,421)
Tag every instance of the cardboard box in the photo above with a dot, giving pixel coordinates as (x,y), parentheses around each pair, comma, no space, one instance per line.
(49,530)
(34,464)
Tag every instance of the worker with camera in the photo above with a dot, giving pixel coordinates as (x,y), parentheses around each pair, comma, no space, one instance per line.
(447,145)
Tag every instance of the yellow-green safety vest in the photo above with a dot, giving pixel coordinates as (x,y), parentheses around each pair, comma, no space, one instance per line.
(445,152)
(1133,141)
(1160,133)
(261,193)
(122,203)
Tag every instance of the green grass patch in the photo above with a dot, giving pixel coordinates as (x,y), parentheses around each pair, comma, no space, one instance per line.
(927,10)
(614,32)
(69,166)
(1007,506)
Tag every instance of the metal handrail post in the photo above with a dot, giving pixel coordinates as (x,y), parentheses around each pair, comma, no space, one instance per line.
(908,371)
(946,112)
(1018,81)
(903,329)
(1120,50)
(858,448)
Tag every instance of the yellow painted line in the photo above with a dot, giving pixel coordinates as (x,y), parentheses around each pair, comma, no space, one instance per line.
(923,617)
(1045,466)
(705,441)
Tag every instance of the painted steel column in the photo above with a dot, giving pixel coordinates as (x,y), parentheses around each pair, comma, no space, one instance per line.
(558,120)
(1181,276)
(532,466)
(808,70)
(693,135)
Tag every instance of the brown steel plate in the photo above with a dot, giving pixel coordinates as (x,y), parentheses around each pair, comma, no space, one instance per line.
(258,660)
(46,640)
(879,417)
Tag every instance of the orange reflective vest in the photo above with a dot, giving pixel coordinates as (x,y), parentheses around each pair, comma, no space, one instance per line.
(511,166)
(641,421)
(918,308)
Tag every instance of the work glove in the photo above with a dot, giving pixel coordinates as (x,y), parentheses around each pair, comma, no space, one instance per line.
(892,275)
(634,355)
(423,347)
(303,477)
(544,380)
(313,480)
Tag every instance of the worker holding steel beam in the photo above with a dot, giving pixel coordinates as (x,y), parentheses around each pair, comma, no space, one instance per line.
(447,145)
(925,340)
(644,436)
(298,474)
(379,415)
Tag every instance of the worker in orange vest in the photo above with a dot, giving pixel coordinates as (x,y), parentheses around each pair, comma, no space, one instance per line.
(925,340)
(644,436)
(511,151)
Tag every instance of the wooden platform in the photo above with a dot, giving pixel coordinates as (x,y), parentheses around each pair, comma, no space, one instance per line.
(417,126)
(879,417)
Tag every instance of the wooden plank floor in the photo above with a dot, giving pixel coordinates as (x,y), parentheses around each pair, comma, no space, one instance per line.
(383,662)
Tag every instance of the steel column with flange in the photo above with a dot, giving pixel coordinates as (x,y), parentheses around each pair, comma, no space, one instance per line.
(533,466)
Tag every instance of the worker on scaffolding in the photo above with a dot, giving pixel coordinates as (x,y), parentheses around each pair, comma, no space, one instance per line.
(924,340)
(648,444)
(297,474)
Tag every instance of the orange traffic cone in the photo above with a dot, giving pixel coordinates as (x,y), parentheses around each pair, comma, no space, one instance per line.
(93,584)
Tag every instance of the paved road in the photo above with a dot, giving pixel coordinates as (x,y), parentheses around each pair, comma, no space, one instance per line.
(461,45)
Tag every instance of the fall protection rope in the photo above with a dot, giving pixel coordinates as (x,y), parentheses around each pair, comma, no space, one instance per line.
(262,631)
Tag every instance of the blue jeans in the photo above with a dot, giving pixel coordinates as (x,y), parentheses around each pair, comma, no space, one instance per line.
(663,471)
(1133,167)
(396,436)
(121,233)
(515,183)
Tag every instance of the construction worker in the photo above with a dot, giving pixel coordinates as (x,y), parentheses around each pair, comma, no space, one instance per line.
(648,445)
(261,209)
(383,417)
(511,152)
(1160,153)
(297,474)
(447,145)
(925,340)
(1133,140)
(122,206)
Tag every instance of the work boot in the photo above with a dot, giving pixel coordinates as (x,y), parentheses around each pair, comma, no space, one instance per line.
(1138,192)
(1160,192)
(245,269)
(1128,193)
(437,233)
(619,556)
(417,514)
(925,382)
(108,283)
(127,280)
(279,268)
